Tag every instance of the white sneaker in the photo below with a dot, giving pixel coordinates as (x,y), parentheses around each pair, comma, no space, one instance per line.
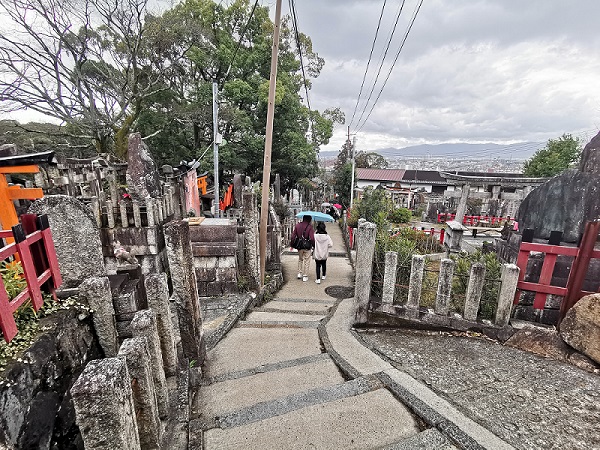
(304,278)
(299,275)
(318,281)
(323,277)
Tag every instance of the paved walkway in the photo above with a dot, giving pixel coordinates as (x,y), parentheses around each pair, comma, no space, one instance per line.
(295,375)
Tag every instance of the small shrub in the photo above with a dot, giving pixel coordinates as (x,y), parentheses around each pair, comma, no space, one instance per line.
(399,215)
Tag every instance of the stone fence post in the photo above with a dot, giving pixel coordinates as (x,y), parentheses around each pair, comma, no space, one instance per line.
(185,289)
(474,291)
(389,277)
(137,358)
(157,291)
(444,289)
(143,325)
(508,287)
(414,285)
(251,237)
(364,270)
(104,408)
(95,291)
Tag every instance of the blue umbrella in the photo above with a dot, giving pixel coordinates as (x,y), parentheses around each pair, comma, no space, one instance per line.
(316,216)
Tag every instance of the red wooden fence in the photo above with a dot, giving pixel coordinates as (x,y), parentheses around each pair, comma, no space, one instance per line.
(572,292)
(40,267)
(472,220)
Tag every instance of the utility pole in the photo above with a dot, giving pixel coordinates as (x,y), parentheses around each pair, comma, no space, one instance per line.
(216,141)
(264,210)
(353,168)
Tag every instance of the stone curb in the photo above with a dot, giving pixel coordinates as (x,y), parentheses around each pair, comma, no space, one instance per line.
(426,404)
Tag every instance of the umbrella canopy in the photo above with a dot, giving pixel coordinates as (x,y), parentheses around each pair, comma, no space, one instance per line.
(337,205)
(316,216)
(325,204)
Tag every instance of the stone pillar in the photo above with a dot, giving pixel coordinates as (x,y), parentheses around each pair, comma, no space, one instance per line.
(150,212)
(157,292)
(508,287)
(104,408)
(444,289)
(251,237)
(137,216)
(474,291)
(364,268)
(415,284)
(496,192)
(185,290)
(462,204)
(123,211)
(143,325)
(95,291)
(136,355)
(389,277)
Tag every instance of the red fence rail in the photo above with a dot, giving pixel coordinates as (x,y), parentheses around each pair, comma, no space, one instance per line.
(40,268)
(472,220)
(572,292)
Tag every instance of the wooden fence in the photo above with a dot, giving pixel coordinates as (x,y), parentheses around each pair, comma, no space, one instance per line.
(40,268)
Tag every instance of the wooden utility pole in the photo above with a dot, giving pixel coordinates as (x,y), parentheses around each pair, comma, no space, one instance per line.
(264,210)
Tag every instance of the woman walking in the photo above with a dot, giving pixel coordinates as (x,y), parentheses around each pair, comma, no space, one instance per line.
(303,231)
(323,243)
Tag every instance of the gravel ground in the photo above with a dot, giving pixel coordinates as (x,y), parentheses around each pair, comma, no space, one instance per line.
(529,401)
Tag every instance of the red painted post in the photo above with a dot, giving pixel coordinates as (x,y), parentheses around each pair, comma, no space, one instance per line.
(442,233)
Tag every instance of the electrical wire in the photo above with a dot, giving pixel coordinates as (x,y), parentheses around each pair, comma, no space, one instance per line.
(241,38)
(384,55)
(297,35)
(393,64)
(368,63)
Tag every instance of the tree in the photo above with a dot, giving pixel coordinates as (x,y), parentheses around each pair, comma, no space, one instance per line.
(86,63)
(557,156)
(370,160)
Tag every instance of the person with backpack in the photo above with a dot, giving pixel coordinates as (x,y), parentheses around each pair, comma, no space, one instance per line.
(303,239)
(323,243)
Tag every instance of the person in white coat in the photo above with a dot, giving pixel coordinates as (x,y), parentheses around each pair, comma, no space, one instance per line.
(323,243)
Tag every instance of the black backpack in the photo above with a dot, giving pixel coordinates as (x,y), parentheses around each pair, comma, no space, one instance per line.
(302,242)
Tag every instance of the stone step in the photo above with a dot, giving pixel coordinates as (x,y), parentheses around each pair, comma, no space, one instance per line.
(223,398)
(246,348)
(281,317)
(351,421)
(307,307)
(425,440)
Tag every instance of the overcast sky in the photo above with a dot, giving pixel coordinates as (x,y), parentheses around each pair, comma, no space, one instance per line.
(470,71)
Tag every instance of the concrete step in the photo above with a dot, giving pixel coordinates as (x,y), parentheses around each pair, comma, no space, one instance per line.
(281,317)
(306,307)
(246,348)
(222,398)
(361,421)
(425,440)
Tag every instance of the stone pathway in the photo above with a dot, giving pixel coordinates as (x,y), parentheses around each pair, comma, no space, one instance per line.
(293,375)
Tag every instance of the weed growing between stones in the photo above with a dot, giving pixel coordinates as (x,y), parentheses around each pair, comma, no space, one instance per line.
(26,318)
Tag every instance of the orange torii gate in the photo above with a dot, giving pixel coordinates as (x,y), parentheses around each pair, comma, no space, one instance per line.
(14,165)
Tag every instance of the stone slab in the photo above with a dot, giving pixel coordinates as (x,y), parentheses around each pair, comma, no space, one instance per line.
(369,420)
(220,398)
(245,348)
(346,345)
(298,306)
(263,316)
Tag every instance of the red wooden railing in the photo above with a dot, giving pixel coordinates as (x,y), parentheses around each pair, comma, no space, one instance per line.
(472,220)
(572,292)
(40,268)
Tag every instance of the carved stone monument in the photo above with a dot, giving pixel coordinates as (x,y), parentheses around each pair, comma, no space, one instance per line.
(142,175)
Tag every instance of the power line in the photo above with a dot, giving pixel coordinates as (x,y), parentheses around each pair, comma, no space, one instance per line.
(295,24)
(241,38)
(393,64)
(368,63)
(384,54)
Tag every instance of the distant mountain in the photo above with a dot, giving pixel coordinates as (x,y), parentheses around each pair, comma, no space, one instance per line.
(520,151)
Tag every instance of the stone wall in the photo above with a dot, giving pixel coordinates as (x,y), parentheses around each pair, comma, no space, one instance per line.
(36,409)
(214,246)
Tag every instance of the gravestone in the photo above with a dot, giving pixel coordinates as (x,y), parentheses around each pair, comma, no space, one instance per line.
(567,201)
(142,176)
(76,238)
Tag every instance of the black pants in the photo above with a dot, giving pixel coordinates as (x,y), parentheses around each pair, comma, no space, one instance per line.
(321,263)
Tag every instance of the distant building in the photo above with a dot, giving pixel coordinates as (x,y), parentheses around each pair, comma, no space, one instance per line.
(499,193)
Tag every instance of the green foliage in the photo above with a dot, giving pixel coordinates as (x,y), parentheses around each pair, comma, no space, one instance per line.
(491,286)
(281,209)
(558,155)
(342,178)
(370,160)
(399,215)
(13,278)
(374,206)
